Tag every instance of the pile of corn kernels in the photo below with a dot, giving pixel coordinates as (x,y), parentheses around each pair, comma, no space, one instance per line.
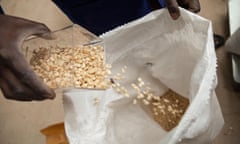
(80,66)
(167,110)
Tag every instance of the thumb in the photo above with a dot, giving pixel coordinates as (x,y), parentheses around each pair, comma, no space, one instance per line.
(41,30)
(173,9)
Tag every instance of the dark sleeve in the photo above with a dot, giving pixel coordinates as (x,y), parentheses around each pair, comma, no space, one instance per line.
(157,4)
(162,3)
(99,16)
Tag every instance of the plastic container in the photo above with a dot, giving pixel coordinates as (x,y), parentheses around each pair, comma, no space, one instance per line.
(57,61)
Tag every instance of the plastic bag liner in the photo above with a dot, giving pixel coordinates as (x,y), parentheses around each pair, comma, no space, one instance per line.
(165,53)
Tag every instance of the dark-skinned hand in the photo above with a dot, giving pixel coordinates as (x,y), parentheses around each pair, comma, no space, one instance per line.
(17,79)
(191,5)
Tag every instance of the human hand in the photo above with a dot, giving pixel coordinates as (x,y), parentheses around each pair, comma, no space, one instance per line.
(17,80)
(191,5)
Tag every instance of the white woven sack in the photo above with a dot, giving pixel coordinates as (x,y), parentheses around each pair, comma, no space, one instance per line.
(171,54)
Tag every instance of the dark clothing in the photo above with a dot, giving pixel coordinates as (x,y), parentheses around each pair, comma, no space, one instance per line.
(99,16)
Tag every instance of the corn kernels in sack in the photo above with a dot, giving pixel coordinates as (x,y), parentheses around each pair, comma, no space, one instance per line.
(167,109)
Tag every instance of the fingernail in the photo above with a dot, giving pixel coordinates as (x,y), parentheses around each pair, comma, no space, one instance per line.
(174,16)
(49,96)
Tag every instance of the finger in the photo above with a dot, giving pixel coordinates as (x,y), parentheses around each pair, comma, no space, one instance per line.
(14,94)
(37,29)
(194,6)
(191,5)
(21,69)
(41,30)
(22,28)
(13,89)
(173,9)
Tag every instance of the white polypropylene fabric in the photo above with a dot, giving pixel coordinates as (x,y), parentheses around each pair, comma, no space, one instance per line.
(171,54)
